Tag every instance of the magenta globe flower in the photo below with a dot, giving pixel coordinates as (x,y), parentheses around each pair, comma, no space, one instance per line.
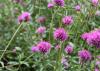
(20,19)
(41,30)
(59,2)
(67,20)
(77,7)
(50,5)
(85,36)
(97,63)
(60,34)
(92,38)
(25,16)
(96,69)
(69,49)
(84,55)
(44,46)
(95,2)
(34,49)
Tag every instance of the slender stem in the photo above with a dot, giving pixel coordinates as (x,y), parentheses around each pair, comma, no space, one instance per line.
(29,34)
(60,56)
(59,66)
(51,26)
(10,41)
(95,57)
(39,6)
(28,57)
(80,67)
(19,64)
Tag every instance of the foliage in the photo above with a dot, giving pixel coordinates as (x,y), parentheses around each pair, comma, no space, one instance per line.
(19,57)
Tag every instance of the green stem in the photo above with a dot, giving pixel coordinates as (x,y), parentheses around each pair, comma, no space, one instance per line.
(29,34)
(11,40)
(51,26)
(28,57)
(59,65)
(95,57)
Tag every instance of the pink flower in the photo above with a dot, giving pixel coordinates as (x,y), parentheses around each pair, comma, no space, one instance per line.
(41,30)
(96,69)
(69,49)
(20,19)
(44,46)
(41,19)
(57,47)
(64,62)
(92,38)
(85,36)
(67,20)
(98,56)
(95,2)
(97,13)
(77,7)
(97,66)
(84,55)
(97,63)
(60,34)
(59,2)
(25,16)
(34,49)
(50,5)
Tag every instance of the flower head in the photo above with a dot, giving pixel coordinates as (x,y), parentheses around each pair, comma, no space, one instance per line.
(97,13)
(41,19)
(84,55)
(34,49)
(95,2)
(69,49)
(67,20)
(92,38)
(96,69)
(60,34)
(77,7)
(97,65)
(64,62)
(41,30)
(50,5)
(84,36)
(25,16)
(44,46)
(59,2)
(57,47)
(98,56)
